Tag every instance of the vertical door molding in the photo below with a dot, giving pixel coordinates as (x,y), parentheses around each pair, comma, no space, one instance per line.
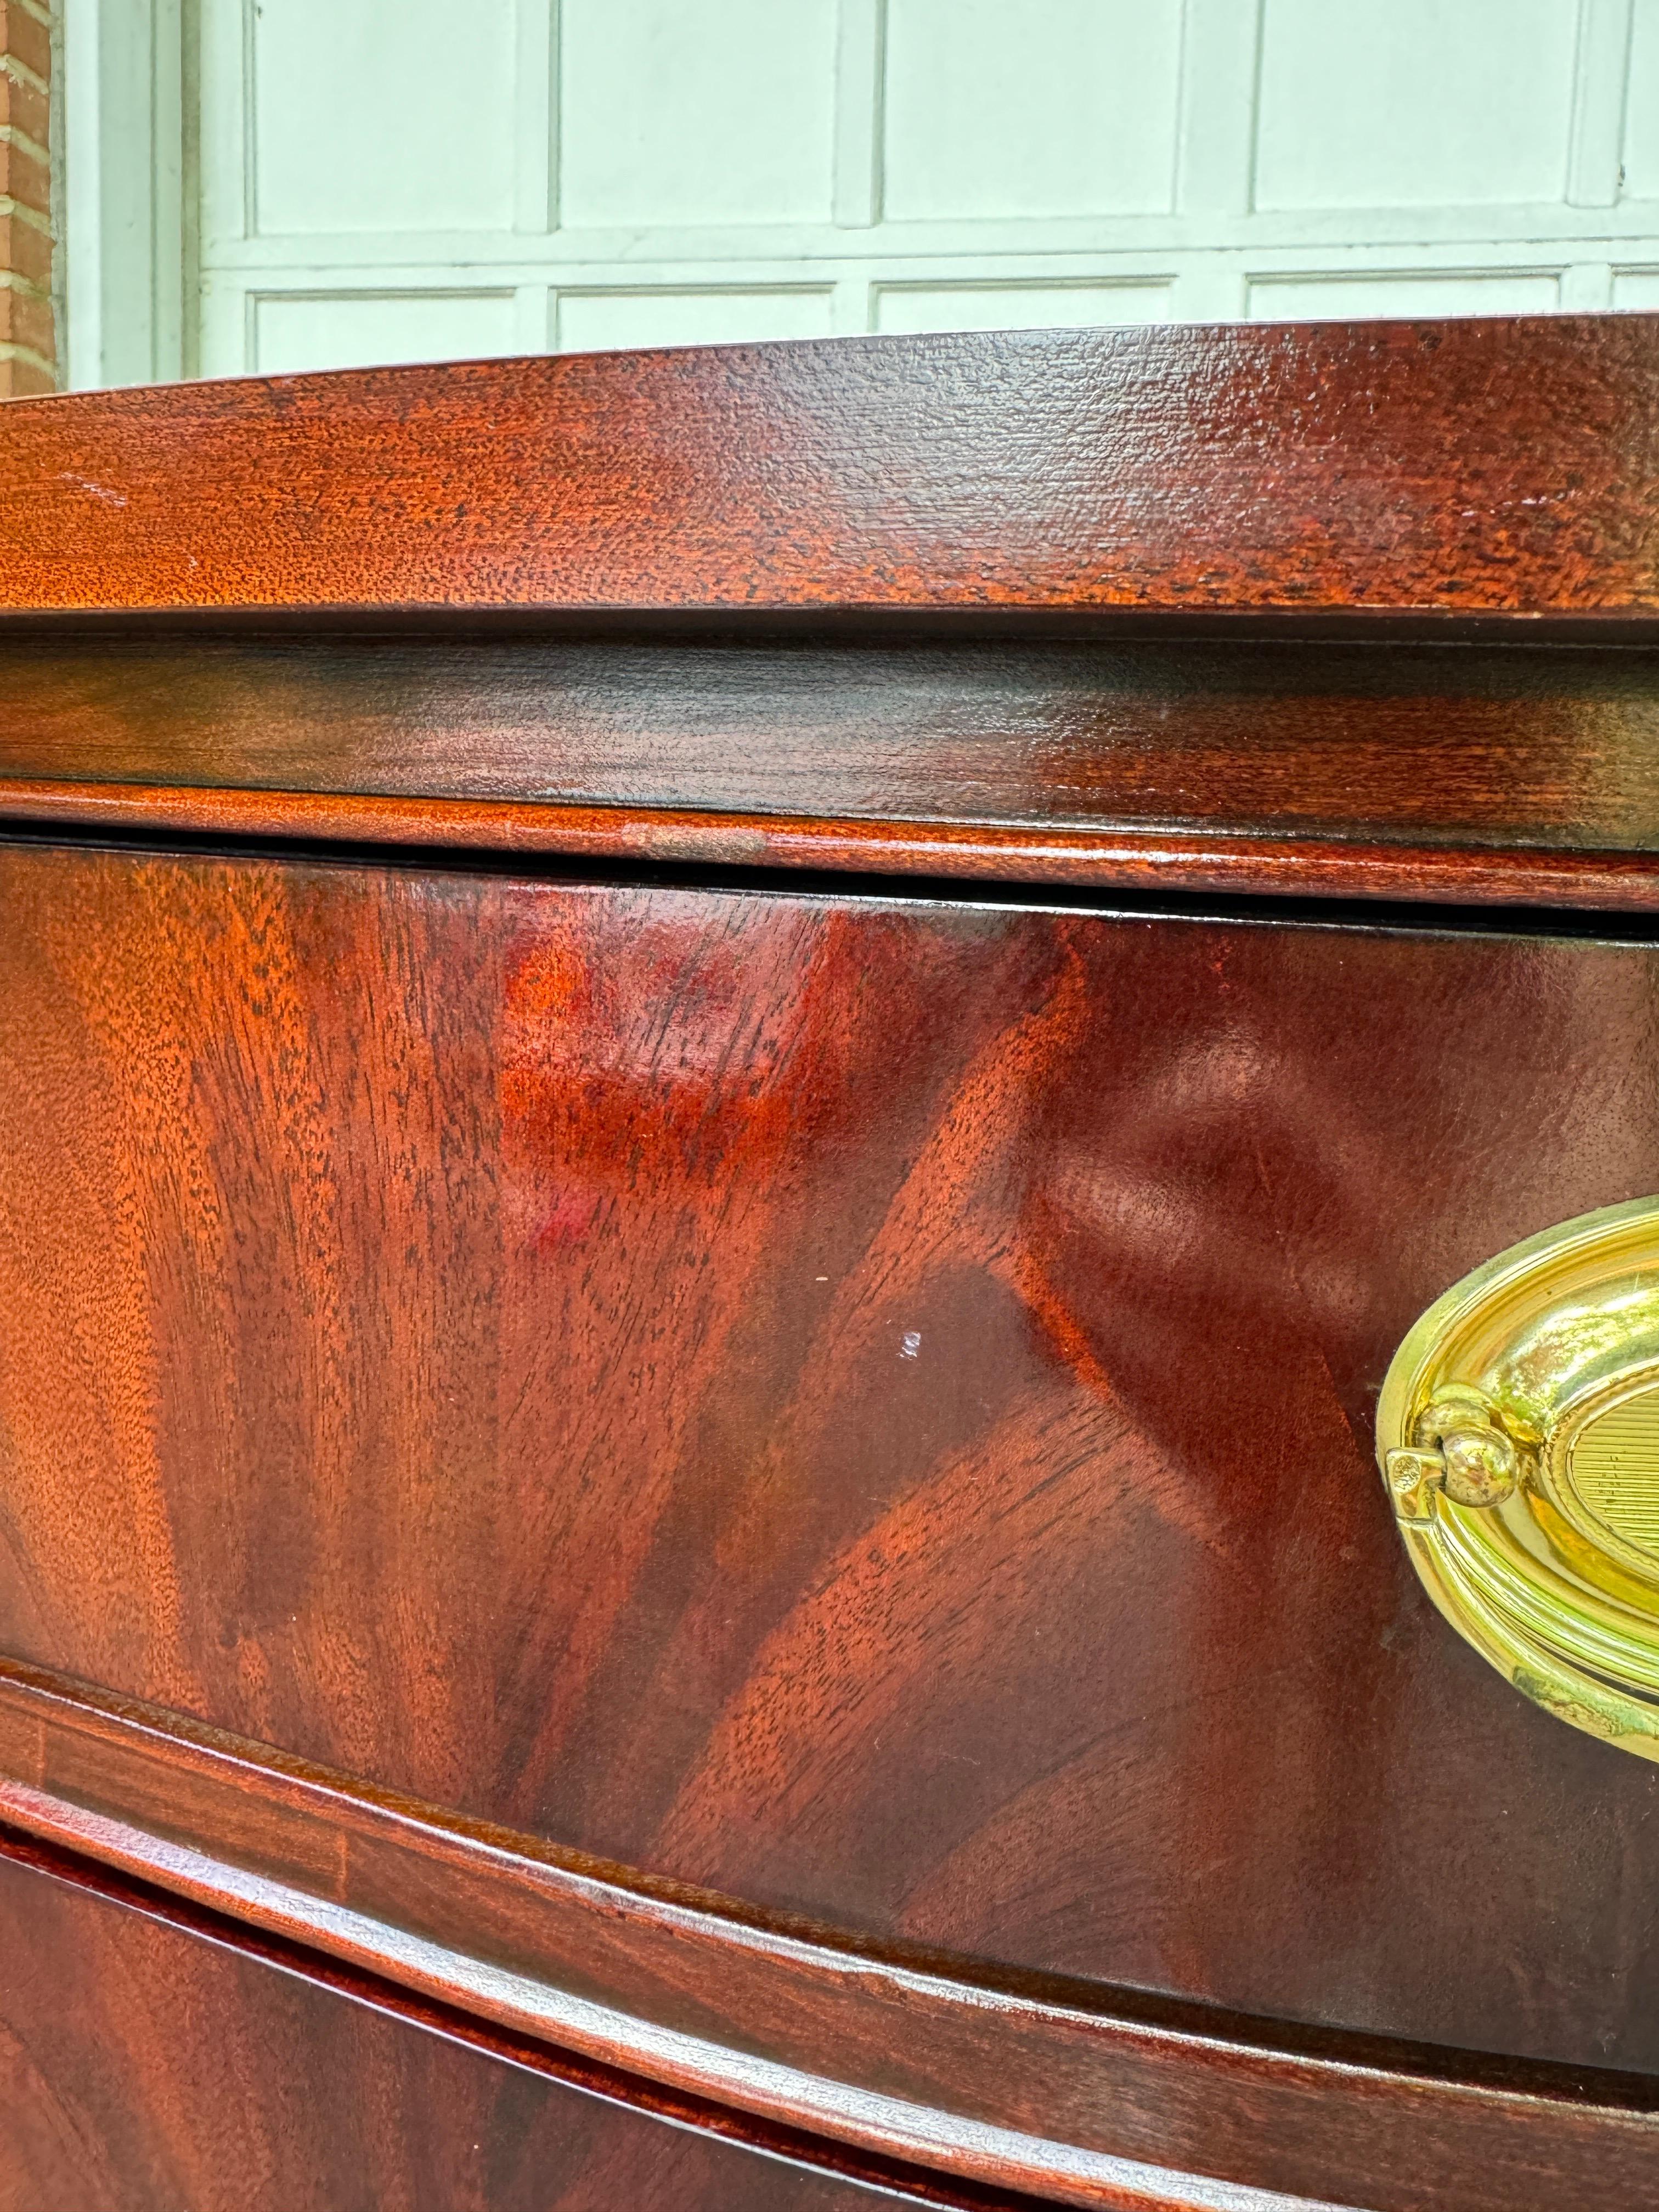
(1600,72)
(1215,144)
(861,77)
(535,117)
(130,105)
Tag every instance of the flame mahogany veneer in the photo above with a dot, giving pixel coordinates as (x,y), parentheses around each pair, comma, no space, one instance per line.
(723,1077)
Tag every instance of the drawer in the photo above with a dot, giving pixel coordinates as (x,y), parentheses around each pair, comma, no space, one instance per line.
(724,1080)
(146,2066)
(862,1404)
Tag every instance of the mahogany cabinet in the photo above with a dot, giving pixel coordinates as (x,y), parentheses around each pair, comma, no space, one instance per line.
(723,1078)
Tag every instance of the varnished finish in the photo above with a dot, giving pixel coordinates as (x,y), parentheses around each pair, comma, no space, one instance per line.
(145,2069)
(1459,468)
(1006,2084)
(1545,749)
(757,1500)
(1107,861)
(1466,773)
(461,1336)
(467,2028)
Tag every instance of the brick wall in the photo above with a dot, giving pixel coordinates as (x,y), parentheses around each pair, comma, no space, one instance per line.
(28,339)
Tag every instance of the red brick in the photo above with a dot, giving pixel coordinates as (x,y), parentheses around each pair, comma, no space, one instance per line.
(27,345)
(25,249)
(22,108)
(25,36)
(24,178)
(21,378)
(26,320)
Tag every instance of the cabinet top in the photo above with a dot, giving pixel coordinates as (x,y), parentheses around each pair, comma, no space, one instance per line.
(1502,468)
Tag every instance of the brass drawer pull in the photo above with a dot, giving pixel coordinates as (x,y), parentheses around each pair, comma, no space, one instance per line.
(1518,1435)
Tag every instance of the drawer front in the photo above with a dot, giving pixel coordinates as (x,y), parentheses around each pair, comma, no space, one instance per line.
(145,2069)
(863,1405)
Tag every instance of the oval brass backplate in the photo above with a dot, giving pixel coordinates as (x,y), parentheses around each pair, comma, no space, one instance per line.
(1518,1434)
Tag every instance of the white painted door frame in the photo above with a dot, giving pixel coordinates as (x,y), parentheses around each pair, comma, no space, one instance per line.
(147,299)
(129,190)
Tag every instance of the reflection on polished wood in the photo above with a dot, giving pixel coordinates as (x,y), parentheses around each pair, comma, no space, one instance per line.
(889,2052)
(1457,469)
(1364,769)
(706,1175)
(487,1299)
(149,2062)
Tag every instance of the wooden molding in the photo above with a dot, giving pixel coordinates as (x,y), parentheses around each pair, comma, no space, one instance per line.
(1495,466)
(1013,2083)
(1474,774)
(1120,858)
(334,1978)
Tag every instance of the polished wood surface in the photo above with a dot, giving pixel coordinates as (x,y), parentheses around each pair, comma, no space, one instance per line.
(1141,862)
(710,1379)
(705,1170)
(1080,2096)
(146,2069)
(1473,774)
(1546,745)
(1458,469)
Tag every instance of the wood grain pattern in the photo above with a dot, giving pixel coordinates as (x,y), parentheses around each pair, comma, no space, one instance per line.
(1011,2084)
(859,1404)
(1486,467)
(1533,746)
(699,1501)
(820,2155)
(1139,861)
(146,2069)
(1456,773)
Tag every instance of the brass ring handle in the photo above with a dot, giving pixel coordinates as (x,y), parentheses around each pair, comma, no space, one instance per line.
(1518,1435)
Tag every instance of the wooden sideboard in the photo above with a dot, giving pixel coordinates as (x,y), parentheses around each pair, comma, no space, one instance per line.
(723,1077)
